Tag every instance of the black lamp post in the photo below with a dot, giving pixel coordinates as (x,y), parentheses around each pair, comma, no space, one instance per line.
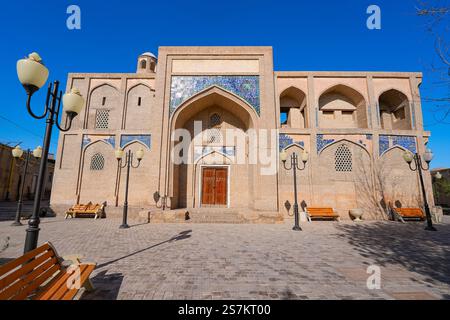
(294,166)
(415,164)
(33,75)
(17,153)
(127,164)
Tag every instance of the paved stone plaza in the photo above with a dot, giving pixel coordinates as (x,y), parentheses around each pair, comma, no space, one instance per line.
(224,261)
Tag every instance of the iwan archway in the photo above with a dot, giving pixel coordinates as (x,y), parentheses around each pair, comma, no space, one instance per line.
(209,164)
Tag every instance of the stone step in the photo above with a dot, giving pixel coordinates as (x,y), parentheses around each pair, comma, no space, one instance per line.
(215,216)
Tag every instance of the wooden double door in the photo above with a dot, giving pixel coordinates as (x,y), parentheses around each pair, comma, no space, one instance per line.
(214,186)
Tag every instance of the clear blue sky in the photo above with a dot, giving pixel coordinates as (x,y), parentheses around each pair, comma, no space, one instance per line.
(306,35)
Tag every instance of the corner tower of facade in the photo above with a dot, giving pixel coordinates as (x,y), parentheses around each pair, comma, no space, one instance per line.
(147,63)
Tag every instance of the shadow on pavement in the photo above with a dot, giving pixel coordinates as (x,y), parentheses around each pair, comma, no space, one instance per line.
(181,236)
(106,286)
(407,245)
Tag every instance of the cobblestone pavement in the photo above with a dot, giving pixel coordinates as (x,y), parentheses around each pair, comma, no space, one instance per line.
(327,260)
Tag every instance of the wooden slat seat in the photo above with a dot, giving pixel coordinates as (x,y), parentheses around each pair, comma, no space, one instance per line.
(321,213)
(89,209)
(409,214)
(42,275)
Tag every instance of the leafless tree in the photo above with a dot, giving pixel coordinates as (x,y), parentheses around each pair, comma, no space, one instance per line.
(371,180)
(436,15)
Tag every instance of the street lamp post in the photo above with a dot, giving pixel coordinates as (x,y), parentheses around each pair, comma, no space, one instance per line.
(127,164)
(294,166)
(415,164)
(17,153)
(33,75)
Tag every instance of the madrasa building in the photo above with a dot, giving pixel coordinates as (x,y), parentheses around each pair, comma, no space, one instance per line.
(354,127)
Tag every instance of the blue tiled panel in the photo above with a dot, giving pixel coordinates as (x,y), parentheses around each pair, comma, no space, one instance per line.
(387,142)
(201,151)
(145,139)
(284,140)
(369,136)
(109,139)
(86,140)
(322,143)
(184,87)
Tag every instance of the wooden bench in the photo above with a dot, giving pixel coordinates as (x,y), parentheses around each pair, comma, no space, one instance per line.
(89,209)
(43,275)
(404,214)
(321,213)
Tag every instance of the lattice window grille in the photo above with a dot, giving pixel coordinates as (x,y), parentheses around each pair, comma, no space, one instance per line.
(214,135)
(102,119)
(215,120)
(343,159)
(97,162)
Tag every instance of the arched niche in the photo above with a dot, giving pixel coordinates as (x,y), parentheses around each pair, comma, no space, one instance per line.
(142,183)
(104,108)
(293,110)
(395,111)
(98,184)
(342,107)
(138,112)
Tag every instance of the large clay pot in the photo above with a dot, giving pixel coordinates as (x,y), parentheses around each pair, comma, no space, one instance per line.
(357,214)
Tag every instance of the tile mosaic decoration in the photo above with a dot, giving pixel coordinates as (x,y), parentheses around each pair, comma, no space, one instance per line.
(87,139)
(406,142)
(245,87)
(322,143)
(362,140)
(284,140)
(145,139)
(201,151)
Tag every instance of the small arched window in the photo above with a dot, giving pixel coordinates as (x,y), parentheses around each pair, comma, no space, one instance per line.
(97,162)
(215,120)
(343,159)
(143,64)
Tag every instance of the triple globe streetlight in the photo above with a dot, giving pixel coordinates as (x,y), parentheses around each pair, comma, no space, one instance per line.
(128,163)
(415,162)
(33,74)
(304,156)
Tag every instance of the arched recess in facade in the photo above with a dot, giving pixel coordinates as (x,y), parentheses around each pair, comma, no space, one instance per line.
(286,182)
(184,179)
(138,107)
(104,108)
(293,109)
(394,110)
(94,183)
(345,179)
(399,184)
(342,107)
(140,178)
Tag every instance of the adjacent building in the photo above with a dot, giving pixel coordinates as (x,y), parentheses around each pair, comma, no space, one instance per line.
(12,175)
